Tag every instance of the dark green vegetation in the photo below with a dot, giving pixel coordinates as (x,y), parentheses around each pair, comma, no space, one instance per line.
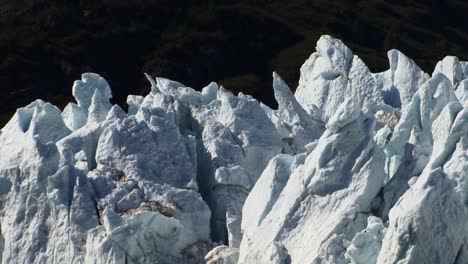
(46,44)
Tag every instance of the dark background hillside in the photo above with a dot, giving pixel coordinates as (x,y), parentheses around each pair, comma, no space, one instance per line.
(46,44)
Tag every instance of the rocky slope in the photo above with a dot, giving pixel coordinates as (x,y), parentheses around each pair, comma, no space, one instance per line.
(355,167)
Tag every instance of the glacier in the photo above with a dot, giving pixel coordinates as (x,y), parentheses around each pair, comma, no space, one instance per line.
(353,167)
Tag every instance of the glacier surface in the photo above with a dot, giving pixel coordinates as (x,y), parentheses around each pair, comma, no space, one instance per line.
(354,167)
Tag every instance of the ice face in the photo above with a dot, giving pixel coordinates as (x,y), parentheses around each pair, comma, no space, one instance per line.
(237,139)
(355,167)
(332,186)
(427,224)
(332,74)
(299,126)
(462,92)
(421,112)
(84,90)
(450,66)
(142,153)
(365,246)
(74,116)
(401,81)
